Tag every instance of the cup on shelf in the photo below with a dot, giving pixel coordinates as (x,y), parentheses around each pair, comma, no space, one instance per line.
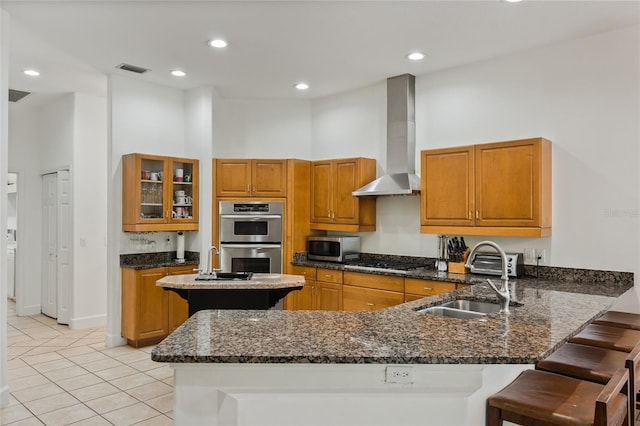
(146,175)
(180,193)
(179,175)
(154,176)
(188,199)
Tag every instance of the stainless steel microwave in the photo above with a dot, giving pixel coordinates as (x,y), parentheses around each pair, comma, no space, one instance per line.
(333,249)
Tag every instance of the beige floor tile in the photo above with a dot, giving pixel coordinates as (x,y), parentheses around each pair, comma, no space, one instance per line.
(14,413)
(23,323)
(156,421)
(41,332)
(147,349)
(29,421)
(16,373)
(103,364)
(65,373)
(27,382)
(99,346)
(57,364)
(92,421)
(44,349)
(96,391)
(13,340)
(77,350)
(16,363)
(145,365)
(61,341)
(85,341)
(112,402)
(131,415)
(15,351)
(37,392)
(68,415)
(169,381)
(133,357)
(163,403)
(132,381)
(169,414)
(116,372)
(151,390)
(88,357)
(37,359)
(32,343)
(118,351)
(161,373)
(78,382)
(13,332)
(50,403)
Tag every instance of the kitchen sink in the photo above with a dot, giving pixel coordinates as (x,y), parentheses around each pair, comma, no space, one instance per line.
(463,309)
(225,276)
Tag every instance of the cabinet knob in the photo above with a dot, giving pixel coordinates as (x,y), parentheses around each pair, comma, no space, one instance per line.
(428,288)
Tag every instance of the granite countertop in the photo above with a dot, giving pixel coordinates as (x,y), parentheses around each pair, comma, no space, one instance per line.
(158,260)
(257,281)
(548,313)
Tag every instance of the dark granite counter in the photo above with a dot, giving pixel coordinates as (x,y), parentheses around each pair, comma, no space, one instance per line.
(157,260)
(547,313)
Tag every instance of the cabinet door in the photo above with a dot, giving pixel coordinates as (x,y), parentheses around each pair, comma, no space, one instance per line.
(345,180)
(366,299)
(269,178)
(425,288)
(182,196)
(380,299)
(328,297)
(447,180)
(143,191)
(152,305)
(233,178)
(321,191)
(178,308)
(508,183)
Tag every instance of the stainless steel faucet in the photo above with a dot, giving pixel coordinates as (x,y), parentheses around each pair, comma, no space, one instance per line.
(504,297)
(209,270)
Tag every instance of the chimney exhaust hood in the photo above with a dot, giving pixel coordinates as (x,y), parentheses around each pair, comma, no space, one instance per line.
(401,178)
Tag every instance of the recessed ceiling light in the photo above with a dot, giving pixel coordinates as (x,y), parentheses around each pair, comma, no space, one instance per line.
(415,56)
(302,86)
(31,73)
(513,1)
(178,73)
(219,43)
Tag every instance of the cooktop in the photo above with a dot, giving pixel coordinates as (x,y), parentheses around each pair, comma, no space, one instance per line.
(395,266)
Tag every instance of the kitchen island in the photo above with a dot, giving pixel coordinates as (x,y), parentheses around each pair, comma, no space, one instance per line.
(394,366)
(261,291)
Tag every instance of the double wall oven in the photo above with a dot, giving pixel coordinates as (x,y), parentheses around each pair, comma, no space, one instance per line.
(251,236)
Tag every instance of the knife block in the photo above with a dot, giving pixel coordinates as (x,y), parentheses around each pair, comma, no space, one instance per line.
(458,267)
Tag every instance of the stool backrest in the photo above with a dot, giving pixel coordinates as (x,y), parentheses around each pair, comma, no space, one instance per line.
(633,366)
(604,410)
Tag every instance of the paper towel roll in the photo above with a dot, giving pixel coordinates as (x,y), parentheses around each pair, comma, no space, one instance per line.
(180,250)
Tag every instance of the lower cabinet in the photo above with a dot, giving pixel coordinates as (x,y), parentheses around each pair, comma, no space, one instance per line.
(150,313)
(417,289)
(370,292)
(322,290)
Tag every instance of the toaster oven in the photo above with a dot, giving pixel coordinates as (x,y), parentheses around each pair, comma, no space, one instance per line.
(491,264)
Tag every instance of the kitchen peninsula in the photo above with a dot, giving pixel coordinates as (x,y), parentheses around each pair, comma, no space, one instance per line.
(392,366)
(261,291)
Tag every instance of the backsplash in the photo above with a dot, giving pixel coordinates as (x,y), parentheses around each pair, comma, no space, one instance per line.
(543,272)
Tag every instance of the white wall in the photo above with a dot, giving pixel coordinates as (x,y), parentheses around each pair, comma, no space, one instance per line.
(89,299)
(262,129)
(4,169)
(582,95)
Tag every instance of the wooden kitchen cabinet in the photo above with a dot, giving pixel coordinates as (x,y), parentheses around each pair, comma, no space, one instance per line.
(501,189)
(150,313)
(332,205)
(149,199)
(368,292)
(417,289)
(250,178)
(324,294)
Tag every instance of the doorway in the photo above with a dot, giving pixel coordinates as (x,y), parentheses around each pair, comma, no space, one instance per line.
(57,271)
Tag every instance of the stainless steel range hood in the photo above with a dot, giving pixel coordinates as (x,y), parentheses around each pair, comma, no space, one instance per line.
(401,178)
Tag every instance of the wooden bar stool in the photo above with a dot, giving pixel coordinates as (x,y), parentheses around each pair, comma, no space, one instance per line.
(596,365)
(619,319)
(540,398)
(607,337)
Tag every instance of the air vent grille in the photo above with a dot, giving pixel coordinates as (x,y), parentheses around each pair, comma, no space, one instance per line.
(132,68)
(16,95)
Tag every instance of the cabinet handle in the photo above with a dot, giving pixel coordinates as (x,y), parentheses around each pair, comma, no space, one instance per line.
(477,215)
(428,288)
(248,187)
(253,188)
(327,276)
(470,215)
(370,304)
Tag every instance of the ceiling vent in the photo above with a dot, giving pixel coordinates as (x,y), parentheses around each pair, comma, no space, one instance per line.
(132,68)
(16,95)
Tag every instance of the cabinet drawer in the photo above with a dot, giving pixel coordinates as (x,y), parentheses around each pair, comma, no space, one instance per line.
(308,272)
(329,275)
(366,299)
(427,287)
(381,282)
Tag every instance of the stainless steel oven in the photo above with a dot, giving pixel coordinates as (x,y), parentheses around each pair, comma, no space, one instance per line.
(251,236)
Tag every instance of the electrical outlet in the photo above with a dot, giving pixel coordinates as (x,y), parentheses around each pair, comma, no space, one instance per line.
(541,254)
(530,256)
(395,374)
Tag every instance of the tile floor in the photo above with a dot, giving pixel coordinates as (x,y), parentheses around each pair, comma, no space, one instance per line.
(59,376)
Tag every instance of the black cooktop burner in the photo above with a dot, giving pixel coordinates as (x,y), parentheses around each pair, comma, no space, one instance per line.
(399,266)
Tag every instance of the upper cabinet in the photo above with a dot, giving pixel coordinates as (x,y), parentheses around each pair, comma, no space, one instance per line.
(159,193)
(333,207)
(500,189)
(250,178)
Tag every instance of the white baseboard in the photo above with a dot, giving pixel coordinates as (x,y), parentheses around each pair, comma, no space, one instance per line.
(4,396)
(113,340)
(30,310)
(88,322)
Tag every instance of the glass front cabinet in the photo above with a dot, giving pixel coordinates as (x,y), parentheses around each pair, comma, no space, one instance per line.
(159,193)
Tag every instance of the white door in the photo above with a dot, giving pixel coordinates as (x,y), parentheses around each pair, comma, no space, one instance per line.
(49,245)
(64,269)
(57,271)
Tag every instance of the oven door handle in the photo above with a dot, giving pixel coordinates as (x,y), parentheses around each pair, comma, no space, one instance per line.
(252,246)
(250,217)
